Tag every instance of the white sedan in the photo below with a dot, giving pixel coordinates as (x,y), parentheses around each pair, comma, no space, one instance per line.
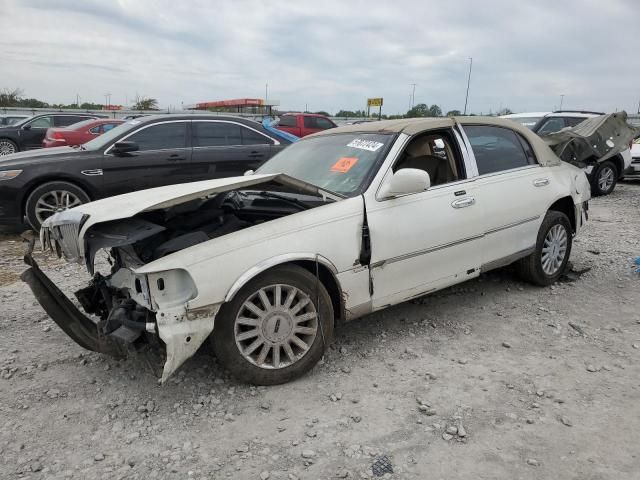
(336,226)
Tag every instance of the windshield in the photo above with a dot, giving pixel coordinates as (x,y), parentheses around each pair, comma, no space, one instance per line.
(341,163)
(105,139)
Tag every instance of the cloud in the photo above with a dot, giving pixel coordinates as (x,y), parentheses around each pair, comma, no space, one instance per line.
(327,55)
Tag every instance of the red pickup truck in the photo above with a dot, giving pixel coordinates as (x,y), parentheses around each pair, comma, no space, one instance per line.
(303,124)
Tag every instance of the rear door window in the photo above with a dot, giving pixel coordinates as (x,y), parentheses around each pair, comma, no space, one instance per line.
(287,121)
(161,137)
(251,137)
(498,149)
(216,134)
(323,123)
(310,122)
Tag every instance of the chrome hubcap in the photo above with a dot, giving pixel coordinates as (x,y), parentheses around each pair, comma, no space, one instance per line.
(554,249)
(7,148)
(276,326)
(53,202)
(605,179)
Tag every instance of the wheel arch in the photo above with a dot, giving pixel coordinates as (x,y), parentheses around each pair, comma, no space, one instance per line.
(566,206)
(54,178)
(326,272)
(618,161)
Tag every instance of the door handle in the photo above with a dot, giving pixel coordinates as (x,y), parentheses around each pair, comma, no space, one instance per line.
(540,182)
(463,202)
(176,158)
(256,155)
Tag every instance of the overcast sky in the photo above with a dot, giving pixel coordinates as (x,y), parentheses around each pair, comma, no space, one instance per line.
(327,55)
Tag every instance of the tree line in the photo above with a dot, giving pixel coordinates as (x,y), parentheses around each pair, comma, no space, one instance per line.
(14,98)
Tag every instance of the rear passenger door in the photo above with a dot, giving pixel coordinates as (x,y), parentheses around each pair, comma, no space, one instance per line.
(163,158)
(227,149)
(315,124)
(513,189)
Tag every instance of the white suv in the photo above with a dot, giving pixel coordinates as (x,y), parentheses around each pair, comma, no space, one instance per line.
(604,176)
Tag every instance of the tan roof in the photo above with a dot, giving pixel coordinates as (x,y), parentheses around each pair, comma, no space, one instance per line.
(411,126)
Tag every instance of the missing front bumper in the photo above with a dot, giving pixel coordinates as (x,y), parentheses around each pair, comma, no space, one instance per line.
(72,321)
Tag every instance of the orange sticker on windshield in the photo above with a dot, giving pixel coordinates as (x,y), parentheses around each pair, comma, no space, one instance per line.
(344,164)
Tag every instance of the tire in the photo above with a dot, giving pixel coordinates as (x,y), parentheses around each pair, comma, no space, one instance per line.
(604,179)
(7,147)
(532,268)
(52,197)
(275,327)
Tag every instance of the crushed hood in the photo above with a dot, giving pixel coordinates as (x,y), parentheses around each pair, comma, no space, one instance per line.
(594,140)
(77,221)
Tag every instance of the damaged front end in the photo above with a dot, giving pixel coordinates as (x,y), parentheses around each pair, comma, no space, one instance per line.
(125,310)
(594,140)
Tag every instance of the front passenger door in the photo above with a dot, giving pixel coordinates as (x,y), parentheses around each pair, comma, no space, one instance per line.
(163,158)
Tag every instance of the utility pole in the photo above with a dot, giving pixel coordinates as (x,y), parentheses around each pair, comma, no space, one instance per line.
(466,99)
(413,95)
(561,100)
(638,107)
(266,91)
(78,100)
(107,99)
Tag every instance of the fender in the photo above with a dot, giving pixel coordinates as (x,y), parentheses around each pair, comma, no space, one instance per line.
(243,279)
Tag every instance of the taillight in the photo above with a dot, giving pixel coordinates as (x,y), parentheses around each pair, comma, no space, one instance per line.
(58,136)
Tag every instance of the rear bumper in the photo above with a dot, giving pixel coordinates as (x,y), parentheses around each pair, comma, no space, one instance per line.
(82,330)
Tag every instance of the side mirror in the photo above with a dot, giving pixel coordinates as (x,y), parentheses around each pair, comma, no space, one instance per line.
(404,182)
(125,147)
(27,127)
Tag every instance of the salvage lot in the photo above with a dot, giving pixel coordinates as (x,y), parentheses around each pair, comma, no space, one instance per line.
(543,381)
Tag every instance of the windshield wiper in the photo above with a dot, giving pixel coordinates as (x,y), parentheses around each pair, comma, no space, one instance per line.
(302,205)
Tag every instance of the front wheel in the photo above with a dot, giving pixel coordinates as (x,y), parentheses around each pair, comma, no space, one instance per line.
(604,179)
(276,327)
(7,147)
(553,248)
(50,198)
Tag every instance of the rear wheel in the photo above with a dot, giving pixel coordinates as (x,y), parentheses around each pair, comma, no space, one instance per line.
(7,147)
(50,198)
(553,248)
(275,328)
(604,179)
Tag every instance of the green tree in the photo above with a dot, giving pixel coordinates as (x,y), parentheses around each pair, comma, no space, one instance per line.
(435,111)
(504,111)
(32,103)
(454,113)
(419,110)
(10,98)
(145,103)
(322,112)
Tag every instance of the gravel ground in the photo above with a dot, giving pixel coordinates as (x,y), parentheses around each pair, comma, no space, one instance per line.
(491,379)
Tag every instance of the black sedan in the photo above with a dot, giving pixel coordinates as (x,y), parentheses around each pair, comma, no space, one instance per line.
(29,133)
(139,154)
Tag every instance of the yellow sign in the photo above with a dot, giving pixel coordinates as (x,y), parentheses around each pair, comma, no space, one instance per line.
(374,102)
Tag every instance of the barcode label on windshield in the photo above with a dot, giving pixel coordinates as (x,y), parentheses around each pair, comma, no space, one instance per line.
(365,145)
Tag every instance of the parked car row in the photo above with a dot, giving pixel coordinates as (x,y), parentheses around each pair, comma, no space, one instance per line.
(604,175)
(29,133)
(142,153)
